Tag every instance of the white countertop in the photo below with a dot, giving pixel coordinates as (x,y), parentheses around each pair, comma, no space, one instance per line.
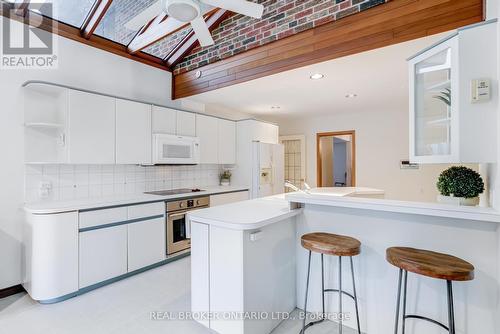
(52,207)
(246,215)
(335,199)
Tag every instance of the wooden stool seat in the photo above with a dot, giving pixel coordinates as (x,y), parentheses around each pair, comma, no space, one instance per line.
(430,264)
(331,244)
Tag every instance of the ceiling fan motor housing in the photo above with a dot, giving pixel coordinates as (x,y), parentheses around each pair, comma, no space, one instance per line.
(182,10)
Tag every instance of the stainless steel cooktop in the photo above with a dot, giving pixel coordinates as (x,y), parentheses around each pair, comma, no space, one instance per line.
(174,192)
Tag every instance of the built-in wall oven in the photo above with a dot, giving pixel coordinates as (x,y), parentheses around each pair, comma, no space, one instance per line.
(177,239)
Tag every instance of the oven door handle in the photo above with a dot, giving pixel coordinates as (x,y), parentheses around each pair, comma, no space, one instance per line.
(177,214)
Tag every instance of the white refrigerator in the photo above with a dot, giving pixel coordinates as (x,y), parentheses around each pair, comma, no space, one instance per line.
(268,169)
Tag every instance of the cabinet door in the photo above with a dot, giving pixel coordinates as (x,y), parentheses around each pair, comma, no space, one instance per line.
(206,130)
(103,254)
(146,243)
(91,129)
(133,132)
(164,120)
(200,264)
(227,142)
(186,124)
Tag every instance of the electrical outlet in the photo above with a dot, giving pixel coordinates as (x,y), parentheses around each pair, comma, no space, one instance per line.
(44,189)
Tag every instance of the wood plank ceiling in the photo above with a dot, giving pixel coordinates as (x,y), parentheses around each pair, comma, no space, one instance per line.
(394,22)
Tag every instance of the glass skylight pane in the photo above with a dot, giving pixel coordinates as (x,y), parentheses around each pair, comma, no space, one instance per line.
(124,18)
(72,12)
(161,48)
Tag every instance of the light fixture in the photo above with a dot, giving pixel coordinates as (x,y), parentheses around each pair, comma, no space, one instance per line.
(316,76)
(351,95)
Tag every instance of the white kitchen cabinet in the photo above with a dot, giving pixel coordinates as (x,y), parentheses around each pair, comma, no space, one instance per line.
(221,199)
(90,136)
(164,120)
(226,142)
(146,243)
(206,130)
(102,254)
(446,124)
(133,132)
(200,264)
(186,124)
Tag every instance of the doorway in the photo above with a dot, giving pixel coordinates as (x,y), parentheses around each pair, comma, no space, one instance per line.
(336,159)
(295,159)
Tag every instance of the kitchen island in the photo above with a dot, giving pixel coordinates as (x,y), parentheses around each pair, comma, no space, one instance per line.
(469,233)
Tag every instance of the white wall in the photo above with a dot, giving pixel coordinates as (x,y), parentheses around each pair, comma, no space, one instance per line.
(381,142)
(81,66)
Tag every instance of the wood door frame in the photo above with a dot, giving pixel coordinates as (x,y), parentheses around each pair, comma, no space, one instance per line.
(303,161)
(320,135)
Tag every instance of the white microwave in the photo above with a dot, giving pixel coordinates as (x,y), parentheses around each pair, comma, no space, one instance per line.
(175,150)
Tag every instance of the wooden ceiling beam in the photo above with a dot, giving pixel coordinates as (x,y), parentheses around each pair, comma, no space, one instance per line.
(95,16)
(189,42)
(159,28)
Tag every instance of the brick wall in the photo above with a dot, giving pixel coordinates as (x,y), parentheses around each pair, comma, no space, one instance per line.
(282,18)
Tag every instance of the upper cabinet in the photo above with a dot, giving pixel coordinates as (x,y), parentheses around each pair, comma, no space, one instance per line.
(186,124)
(453,113)
(164,120)
(90,136)
(206,129)
(133,132)
(227,142)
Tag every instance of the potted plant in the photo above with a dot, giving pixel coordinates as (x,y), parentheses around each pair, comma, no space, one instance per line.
(225,178)
(460,185)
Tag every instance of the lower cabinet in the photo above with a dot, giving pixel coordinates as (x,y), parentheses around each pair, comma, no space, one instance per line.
(103,254)
(146,243)
(227,198)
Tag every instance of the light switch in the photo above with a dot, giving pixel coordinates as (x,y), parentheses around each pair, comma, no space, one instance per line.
(480,90)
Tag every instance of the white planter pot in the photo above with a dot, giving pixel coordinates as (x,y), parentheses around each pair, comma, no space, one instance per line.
(458,200)
(225,183)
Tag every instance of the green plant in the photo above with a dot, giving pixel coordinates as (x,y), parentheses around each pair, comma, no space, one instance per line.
(444,96)
(460,181)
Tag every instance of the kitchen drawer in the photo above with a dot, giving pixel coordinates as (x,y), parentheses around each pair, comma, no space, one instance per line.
(146,210)
(146,243)
(102,217)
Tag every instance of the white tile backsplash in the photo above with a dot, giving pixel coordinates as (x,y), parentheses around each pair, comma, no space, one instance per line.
(92,181)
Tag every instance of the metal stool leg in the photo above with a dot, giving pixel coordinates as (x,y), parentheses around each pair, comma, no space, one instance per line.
(340,294)
(451,311)
(405,285)
(398,301)
(307,290)
(323,287)
(355,296)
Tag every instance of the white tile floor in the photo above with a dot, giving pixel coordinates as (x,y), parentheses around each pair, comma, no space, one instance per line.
(123,307)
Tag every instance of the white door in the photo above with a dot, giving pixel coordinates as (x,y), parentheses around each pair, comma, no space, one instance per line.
(186,124)
(91,129)
(227,142)
(278,163)
(295,159)
(146,243)
(206,130)
(133,132)
(103,254)
(164,120)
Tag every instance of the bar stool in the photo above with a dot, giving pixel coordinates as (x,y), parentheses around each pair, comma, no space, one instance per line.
(336,245)
(429,264)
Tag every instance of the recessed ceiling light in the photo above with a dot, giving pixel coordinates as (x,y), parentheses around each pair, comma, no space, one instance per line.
(351,95)
(275,107)
(317,76)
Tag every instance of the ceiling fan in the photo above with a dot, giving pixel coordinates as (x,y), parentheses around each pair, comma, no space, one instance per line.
(192,11)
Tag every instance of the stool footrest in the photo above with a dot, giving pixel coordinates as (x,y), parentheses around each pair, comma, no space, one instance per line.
(312,323)
(419,317)
(337,290)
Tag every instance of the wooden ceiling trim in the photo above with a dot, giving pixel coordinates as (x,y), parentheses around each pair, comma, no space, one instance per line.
(95,16)
(22,7)
(394,22)
(190,41)
(73,33)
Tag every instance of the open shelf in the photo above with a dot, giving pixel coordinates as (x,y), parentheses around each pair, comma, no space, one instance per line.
(440,122)
(439,86)
(41,125)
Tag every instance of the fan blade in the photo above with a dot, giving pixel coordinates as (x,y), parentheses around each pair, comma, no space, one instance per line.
(202,33)
(243,7)
(138,21)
